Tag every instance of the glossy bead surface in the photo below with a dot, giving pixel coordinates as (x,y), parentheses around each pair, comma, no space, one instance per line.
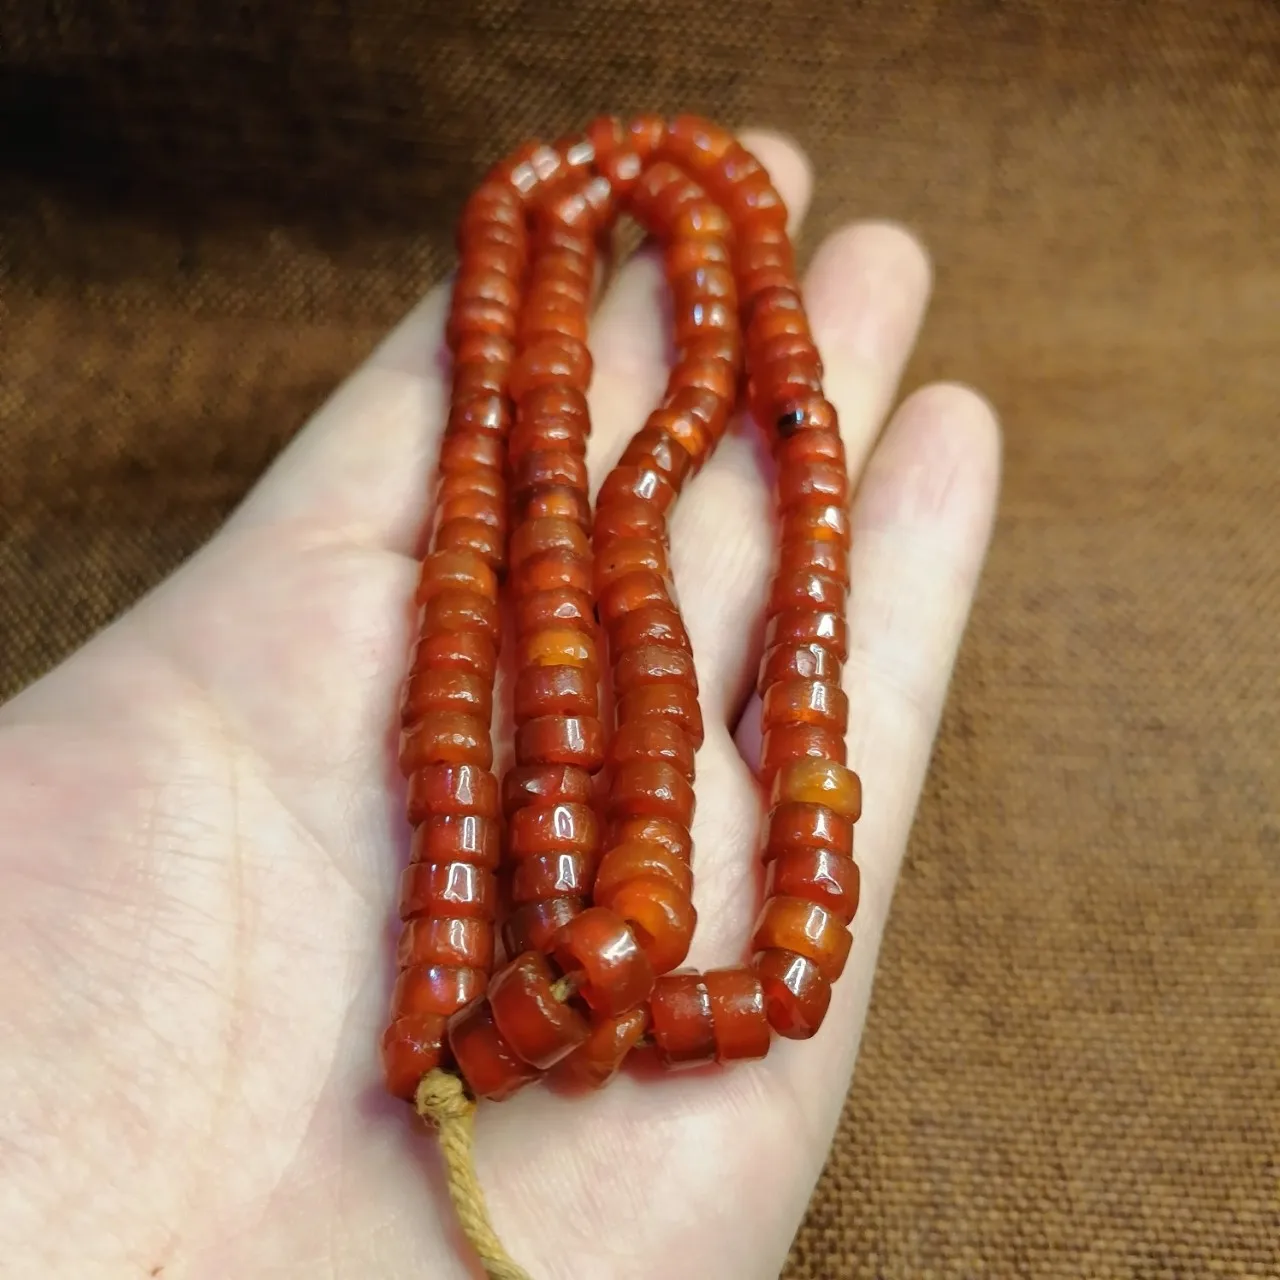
(465,944)
(435,989)
(792,924)
(411,1047)
(738,1014)
(797,825)
(600,1056)
(816,875)
(445,737)
(457,837)
(542,785)
(485,1059)
(681,1022)
(451,789)
(675,702)
(450,889)
(650,788)
(540,1028)
(569,740)
(600,950)
(532,926)
(662,917)
(642,858)
(653,739)
(796,994)
(832,785)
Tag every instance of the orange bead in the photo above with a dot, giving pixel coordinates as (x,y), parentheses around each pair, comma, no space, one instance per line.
(485,1060)
(675,702)
(456,890)
(532,926)
(653,447)
(539,877)
(435,989)
(444,737)
(472,535)
(624,556)
(808,826)
(653,739)
(814,556)
(681,1023)
(466,651)
(653,664)
(822,522)
(464,944)
(738,1016)
(636,591)
(557,502)
(457,837)
(547,534)
(796,995)
(541,785)
(456,571)
(806,588)
(488,414)
(555,691)
(820,782)
(411,1047)
(792,924)
(627,518)
(449,789)
(650,788)
(540,827)
(787,742)
(599,950)
(555,570)
(814,482)
(798,661)
(557,610)
(453,610)
(575,740)
(600,1056)
(445,690)
(803,626)
(642,858)
(645,482)
(662,917)
(818,876)
(654,624)
(540,1028)
(813,702)
(662,831)
(558,647)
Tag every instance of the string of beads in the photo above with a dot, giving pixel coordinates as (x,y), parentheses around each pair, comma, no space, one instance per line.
(586,840)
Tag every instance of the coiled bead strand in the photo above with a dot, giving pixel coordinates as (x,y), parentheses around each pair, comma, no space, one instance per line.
(586,984)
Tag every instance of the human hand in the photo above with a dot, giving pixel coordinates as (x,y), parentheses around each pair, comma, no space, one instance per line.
(203,828)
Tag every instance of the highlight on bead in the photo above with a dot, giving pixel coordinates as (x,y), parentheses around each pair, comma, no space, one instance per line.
(586,838)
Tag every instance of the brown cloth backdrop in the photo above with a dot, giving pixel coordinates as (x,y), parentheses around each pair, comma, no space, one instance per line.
(1072,1066)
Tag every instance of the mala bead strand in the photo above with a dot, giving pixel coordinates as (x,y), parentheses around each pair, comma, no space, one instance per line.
(448,897)
(553,831)
(645,875)
(600,877)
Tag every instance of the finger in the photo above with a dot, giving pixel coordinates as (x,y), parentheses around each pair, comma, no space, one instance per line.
(630,341)
(921,526)
(866,293)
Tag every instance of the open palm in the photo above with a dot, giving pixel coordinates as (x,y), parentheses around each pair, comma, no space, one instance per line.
(201,831)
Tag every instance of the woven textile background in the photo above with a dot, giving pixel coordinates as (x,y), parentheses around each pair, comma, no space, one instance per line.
(1073,1062)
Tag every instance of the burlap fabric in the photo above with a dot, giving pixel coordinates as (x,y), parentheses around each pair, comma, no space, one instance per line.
(1073,1062)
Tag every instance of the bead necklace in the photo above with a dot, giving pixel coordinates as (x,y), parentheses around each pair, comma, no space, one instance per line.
(597,879)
